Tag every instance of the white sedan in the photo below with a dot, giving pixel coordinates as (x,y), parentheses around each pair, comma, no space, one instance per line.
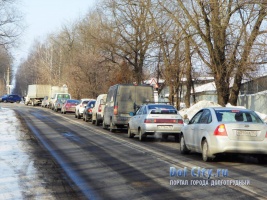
(221,130)
(155,118)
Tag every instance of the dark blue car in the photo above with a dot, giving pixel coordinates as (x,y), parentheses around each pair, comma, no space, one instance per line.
(10,98)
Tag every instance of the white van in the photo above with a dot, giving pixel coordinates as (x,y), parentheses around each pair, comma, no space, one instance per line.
(123,99)
(57,96)
(98,110)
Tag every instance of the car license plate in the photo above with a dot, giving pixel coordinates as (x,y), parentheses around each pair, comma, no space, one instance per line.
(165,127)
(246,133)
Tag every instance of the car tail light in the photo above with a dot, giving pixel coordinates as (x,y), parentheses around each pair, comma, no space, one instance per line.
(99,108)
(115,111)
(220,130)
(89,110)
(172,121)
(266,135)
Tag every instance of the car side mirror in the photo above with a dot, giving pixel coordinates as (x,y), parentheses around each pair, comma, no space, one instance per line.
(131,114)
(186,121)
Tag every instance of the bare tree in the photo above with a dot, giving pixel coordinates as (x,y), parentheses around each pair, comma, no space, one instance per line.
(10,22)
(131,26)
(225,35)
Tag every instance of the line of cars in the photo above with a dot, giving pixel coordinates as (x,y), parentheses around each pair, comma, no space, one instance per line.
(211,131)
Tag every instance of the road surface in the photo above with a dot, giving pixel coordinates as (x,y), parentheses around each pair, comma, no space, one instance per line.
(98,164)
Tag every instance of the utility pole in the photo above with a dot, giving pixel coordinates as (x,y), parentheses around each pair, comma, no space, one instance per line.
(8,81)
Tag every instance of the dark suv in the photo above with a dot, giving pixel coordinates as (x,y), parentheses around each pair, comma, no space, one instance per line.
(10,98)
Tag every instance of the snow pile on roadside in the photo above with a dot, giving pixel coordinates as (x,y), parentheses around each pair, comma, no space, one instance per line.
(190,112)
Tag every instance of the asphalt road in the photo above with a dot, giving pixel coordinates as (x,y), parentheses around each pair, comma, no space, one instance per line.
(97,164)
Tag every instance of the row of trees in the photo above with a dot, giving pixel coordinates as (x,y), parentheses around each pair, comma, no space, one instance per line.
(126,41)
(10,30)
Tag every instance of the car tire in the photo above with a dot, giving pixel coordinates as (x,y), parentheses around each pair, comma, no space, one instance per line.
(85,118)
(141,137)
(97,123)
(130,135)
(205,151)
(111,129)
(78,115)
(183,147)
(104,126)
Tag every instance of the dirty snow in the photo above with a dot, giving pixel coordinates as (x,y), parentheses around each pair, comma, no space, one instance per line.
(18,176)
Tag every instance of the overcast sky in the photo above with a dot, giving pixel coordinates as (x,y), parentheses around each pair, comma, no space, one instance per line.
(42,17)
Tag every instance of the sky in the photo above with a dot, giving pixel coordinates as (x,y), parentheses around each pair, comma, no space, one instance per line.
(42,17)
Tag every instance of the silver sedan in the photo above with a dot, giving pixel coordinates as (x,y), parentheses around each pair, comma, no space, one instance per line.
(155,118)
(221,130)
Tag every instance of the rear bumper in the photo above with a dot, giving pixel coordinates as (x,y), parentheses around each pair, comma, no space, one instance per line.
(151,129)
(224,145)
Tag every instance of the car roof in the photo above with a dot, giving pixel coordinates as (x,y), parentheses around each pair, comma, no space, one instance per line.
(228,108)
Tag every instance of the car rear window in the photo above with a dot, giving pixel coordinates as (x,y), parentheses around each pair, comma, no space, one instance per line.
(162,109)
(237,116)
(73,101)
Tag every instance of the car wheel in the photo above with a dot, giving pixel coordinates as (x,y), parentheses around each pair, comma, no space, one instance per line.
(183,147)
(97,123)
(205,151)
(130,135)
(104,126)
(141,137)
(78,115)
(111,129)
(85,118)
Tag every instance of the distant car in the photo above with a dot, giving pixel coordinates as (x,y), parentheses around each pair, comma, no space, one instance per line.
(87,114)
(98,110)
(10,98)
(69,106)
(155,118)
(45,102)
(58,104)
(80,107)
(221,130)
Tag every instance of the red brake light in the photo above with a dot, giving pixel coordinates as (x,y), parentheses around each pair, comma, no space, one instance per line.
(115,111)
(99,108)
(266,135)
(149,121)
(180,121)
(220,130)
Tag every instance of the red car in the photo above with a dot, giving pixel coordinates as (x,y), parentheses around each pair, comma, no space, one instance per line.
(69,106)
